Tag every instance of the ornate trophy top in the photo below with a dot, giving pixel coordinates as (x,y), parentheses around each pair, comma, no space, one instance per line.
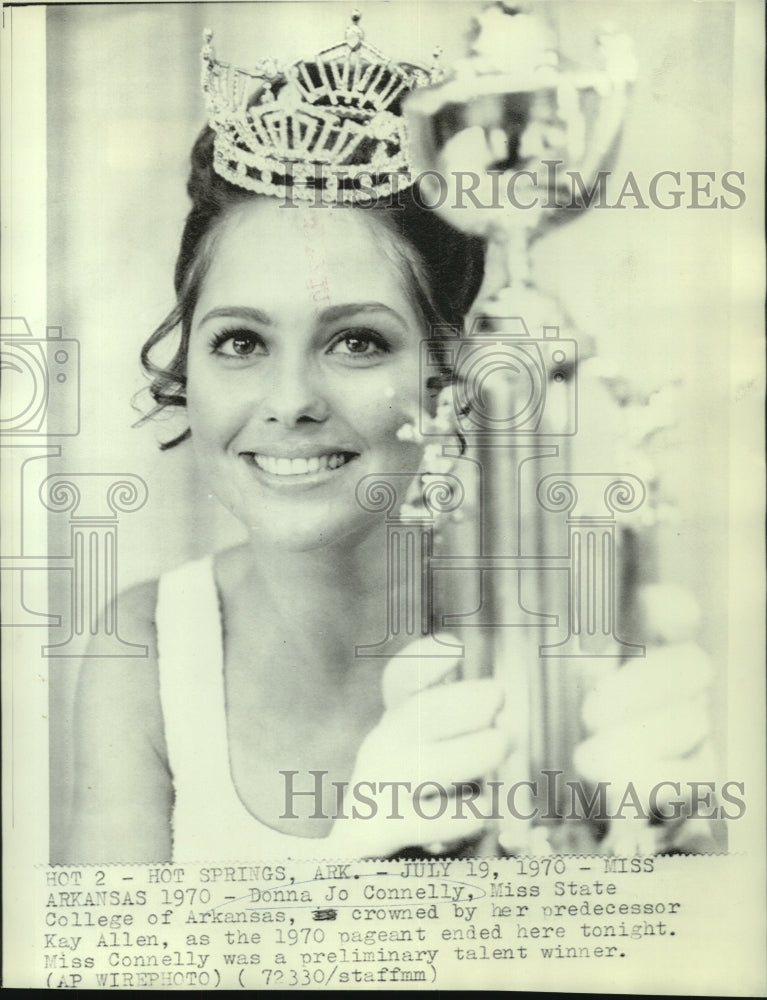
(513,116)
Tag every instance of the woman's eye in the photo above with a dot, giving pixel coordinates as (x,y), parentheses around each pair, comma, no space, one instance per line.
(237,344)
(359,344)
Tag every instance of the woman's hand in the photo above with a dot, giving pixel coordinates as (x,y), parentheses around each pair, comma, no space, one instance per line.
(648,722)
(437,733)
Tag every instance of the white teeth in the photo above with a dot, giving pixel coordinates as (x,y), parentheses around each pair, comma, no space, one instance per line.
(298,466)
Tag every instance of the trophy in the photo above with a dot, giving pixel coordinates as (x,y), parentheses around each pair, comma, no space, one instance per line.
(512,144)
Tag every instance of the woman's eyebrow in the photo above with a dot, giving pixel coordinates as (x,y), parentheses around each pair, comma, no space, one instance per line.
(238,312)
(333,313)
(329,315)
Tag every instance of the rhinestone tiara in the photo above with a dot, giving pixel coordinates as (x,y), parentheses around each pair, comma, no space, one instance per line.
(329,128)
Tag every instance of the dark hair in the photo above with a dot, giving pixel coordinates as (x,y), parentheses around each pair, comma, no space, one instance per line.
(444,277)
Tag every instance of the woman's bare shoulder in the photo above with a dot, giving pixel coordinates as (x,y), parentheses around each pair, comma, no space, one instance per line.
(139,602)
(127,687)
(134,612)
(123,787)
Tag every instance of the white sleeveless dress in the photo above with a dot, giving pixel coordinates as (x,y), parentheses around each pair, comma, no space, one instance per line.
(210,821)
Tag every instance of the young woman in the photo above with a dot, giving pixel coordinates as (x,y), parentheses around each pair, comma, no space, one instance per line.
(298,365)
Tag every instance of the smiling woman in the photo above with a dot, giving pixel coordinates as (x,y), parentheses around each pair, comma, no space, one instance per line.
(297,366)
(307,282)
(277,375)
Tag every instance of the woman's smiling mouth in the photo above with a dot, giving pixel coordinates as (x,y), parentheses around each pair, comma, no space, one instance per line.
(291,468)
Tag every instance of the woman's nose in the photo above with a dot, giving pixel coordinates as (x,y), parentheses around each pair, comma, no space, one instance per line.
(293,393)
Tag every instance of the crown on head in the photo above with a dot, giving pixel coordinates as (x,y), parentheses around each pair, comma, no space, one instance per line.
(329,128)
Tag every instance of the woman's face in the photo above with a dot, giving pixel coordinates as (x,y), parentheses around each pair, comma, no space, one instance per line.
(303,364)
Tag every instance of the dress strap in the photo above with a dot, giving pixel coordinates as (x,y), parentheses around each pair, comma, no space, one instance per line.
(210,821)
